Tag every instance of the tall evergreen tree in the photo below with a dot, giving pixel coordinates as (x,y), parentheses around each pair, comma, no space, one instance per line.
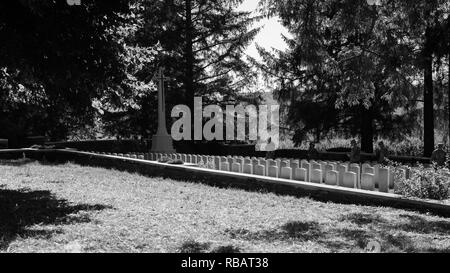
(202,47)
(343,60)
(421,24)
(55,59)
(360,57)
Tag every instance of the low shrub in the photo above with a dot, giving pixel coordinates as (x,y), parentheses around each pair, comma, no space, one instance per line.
(424,183)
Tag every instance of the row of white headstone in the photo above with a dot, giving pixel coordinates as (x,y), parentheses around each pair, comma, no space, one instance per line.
(367,176)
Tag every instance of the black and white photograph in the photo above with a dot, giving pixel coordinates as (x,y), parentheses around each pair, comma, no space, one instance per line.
(224,129)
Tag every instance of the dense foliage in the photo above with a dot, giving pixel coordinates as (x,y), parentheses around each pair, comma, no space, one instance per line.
(55,59)
(359,67)
(424,183)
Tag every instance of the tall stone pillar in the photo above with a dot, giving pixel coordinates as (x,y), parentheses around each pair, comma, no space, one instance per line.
(162,141)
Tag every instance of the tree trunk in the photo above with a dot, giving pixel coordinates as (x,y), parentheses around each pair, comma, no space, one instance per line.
(367,130)
(428,111)
(189,59)
(189,67)
(317,134)
(448,97)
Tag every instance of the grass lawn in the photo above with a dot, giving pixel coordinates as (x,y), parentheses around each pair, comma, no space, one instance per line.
(69,208)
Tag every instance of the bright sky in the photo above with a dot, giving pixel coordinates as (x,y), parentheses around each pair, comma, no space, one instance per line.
(270,35)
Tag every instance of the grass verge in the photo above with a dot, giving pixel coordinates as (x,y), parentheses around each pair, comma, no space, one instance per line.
(69,208)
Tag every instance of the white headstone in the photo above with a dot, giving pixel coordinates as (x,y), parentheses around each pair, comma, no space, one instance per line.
(301,174)
(316,166)
(365,165)
(327,168)
(376,173)
(295,164)
(194,159)
(278,161)
(217,162)
(230,160)
(270,163)
(307,167)
(367,182)
(248,169)
(332,178)
(323,166)
(236,167)
(286,173)
(383,179)
(283,164)
(341,169)
(260,170)
(316,176)
(272,171)
(355,169)
(349,180)
(369,170)
(391,178)
(225,166)
(254,162)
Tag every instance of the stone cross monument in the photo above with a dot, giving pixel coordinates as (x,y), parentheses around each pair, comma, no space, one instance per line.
(162,141)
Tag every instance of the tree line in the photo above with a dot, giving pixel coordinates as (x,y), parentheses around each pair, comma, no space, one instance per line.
(366,68)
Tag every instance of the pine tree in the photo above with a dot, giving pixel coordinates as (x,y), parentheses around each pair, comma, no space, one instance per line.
(419,24)
(362,58)
(202,47)
(343,62)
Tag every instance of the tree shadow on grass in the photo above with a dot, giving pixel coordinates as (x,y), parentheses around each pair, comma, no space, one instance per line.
(192,246)
(362,219)
(414,223)
(26,161)
(358,238)
(419,224)
(370,229)
(395,236)
(226,249)
(297,230)
(15,162)
(20,209)
(389,240)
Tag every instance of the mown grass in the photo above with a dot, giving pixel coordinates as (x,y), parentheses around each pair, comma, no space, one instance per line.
(69,208)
